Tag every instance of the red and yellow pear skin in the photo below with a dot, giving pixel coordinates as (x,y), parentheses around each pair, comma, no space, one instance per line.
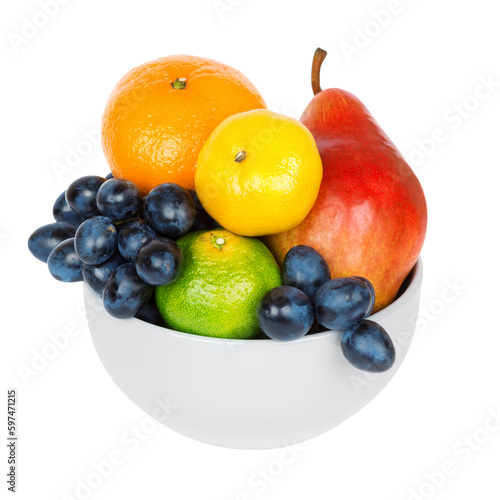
(370,216)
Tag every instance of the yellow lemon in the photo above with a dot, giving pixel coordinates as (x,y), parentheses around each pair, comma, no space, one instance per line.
(259,173)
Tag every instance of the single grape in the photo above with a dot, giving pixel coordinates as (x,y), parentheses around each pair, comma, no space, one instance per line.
(132,235)
(64,213)
(118,199)
(316,327)
(170,209)
(197,202)
(109,176)
(81,194)
(306,269)
(159,262)
(372,290)
(96,240)
(202,221)
(64,264)
(142,209)
(44,239)
(96,276)
(150,312)
(285,313)
(125,294)
(342,302)
(367,346)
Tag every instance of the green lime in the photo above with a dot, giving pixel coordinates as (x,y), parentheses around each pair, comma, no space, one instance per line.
(224,278)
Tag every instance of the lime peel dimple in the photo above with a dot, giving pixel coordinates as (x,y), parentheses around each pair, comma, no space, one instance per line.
(217,241)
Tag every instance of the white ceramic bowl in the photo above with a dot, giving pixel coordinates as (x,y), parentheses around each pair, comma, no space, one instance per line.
(250,394)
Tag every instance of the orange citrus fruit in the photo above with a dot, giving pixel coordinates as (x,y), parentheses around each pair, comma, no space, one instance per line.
(259,173)
(160,114)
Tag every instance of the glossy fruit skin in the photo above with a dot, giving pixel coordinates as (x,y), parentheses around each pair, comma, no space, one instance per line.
(306,269)
(269,184)
(285,313)
(367,346)
(170,210)
(149,313)
(44,239)
(96,240)
(125,294)
(142,209)
(219,288)
(81,195)
(202,221)
(64,264)
(159,262)
(132,235)
(152,132)
(372,290)
(118,199)
(369,199)
(342,302)
(96,276)
(316,327)
(109,176)
(64,213)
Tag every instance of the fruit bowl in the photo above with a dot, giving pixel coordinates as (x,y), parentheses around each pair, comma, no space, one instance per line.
(246,394)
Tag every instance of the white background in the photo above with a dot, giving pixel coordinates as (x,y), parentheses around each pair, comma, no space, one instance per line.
(413,74)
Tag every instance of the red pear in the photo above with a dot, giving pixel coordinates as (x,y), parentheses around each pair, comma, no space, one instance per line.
(370,217)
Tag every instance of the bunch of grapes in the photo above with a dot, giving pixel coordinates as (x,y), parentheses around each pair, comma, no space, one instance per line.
(121,244)
(310,301)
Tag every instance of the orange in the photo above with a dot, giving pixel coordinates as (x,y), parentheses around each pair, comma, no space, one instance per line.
(160,114)
(259,173)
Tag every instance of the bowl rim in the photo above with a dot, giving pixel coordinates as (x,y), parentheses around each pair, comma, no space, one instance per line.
(413,286)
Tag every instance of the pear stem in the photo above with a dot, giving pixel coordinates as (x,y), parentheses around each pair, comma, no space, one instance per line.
(319,57)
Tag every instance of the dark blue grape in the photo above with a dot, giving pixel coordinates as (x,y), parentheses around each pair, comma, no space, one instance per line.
(64,213)
(125,294)
(372,290)
(197,202)
(44,239)
(285,313)
(150,312)
(306,269)
(132,235)
(109,176)
(342,302)
(96,240)
(142,209)
(159,262)
(96,276)
(64,264)
(118,199)
(367,346)
(81,194)
(202,221)
(170,209)
(316,327)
